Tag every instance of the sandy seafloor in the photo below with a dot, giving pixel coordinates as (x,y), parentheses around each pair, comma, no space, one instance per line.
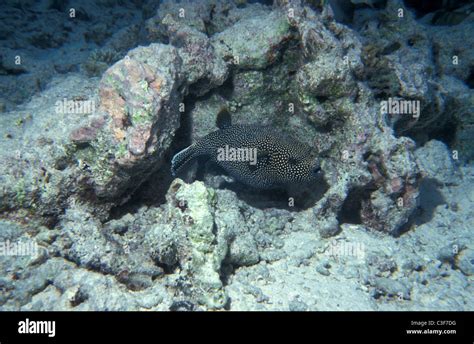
(132,251)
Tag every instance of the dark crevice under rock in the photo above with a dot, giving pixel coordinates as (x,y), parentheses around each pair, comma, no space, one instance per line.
(352,206)
(445,132)
(424,7)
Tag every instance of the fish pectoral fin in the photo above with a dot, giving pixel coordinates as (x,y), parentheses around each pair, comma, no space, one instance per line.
(263,159)
(293,161)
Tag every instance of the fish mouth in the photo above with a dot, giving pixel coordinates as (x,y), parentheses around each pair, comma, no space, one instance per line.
(316,170)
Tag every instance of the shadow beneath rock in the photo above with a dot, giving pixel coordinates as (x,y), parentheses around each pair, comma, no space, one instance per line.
(430,198)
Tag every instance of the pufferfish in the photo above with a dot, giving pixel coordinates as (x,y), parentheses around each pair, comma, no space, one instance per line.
(267,159)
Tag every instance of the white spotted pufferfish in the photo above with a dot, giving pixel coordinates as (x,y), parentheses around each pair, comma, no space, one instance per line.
(281,161)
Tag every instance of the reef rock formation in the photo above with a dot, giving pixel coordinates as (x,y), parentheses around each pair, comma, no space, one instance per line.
(138,109)
(95,190)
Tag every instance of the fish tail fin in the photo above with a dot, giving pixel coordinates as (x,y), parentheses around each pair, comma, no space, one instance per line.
(182,158)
